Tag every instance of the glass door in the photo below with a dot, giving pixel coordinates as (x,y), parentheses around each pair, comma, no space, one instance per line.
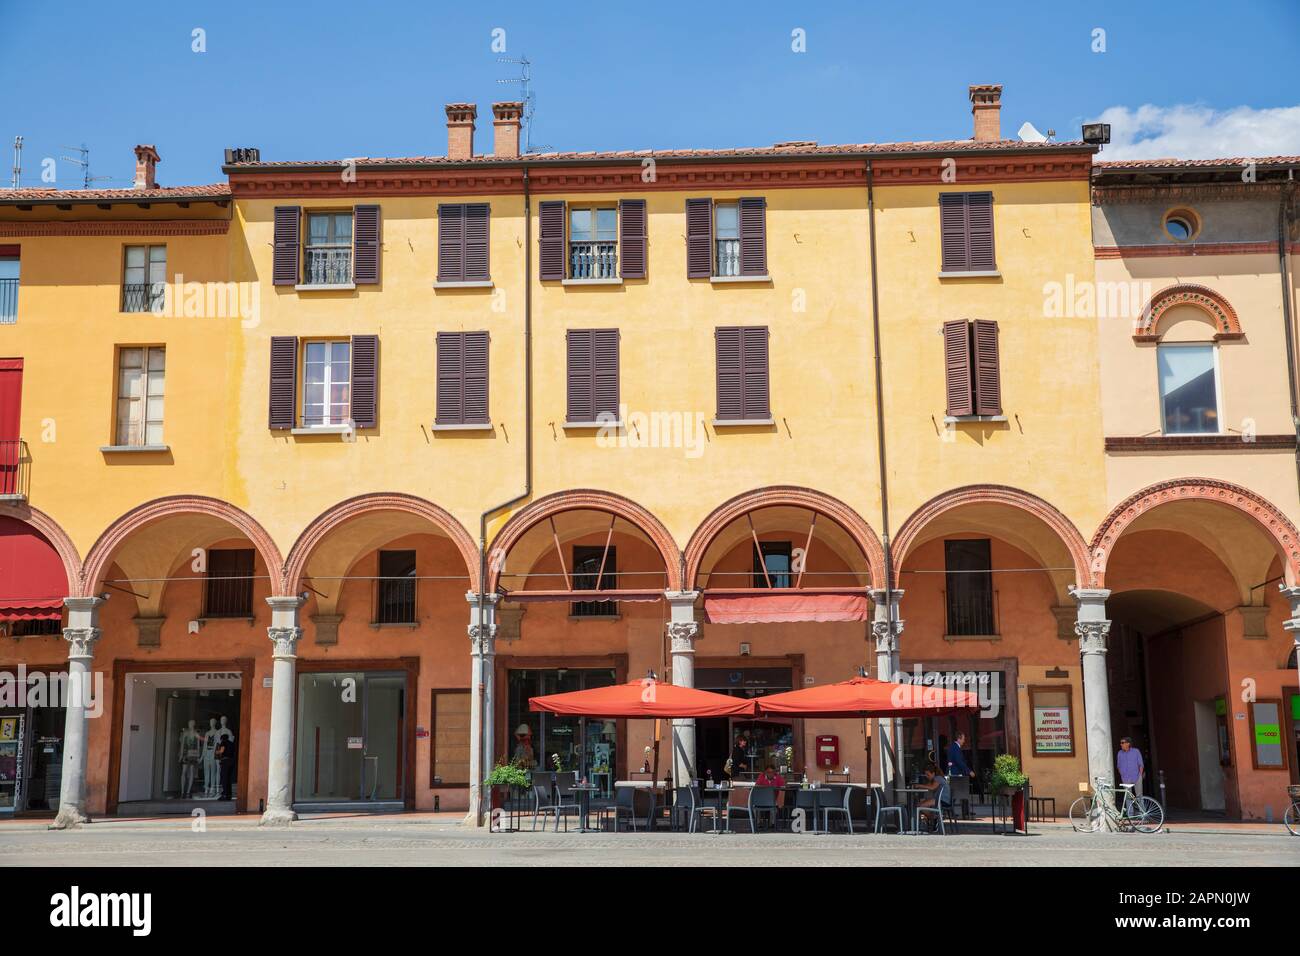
(351,737)
(12,728)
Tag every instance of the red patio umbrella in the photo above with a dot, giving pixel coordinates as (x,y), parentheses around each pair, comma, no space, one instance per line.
(646,697)
(864,697)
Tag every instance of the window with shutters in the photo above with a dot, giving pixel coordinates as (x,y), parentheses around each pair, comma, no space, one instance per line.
(742,370)
(228,590)
(140,379)
(593,377)
(144,278)
(326,383)
(327,255)
(462,379)
(463,243)
(966,234)
(593,242)
(595,568)
(726,239)
(972,371)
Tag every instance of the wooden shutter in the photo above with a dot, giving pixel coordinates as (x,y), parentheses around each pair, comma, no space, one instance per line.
(730,388)
(550,242)
(451,242)
(632,238)
(753,356)
(957,363)
(365,380)
(475,389)
(365,245)
(988,376)
(581,396)
(284,262)
(462,378)
(699,238)
(743,391)
(477,217)
(604,371)
(952,232)
(284,381)
(979,232)
(753,237)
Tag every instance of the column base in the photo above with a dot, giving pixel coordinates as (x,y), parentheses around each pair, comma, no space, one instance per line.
(474,820)
(277,817)
(69,818)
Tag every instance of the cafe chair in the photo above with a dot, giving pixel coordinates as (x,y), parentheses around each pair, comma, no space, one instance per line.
(942,808)
(686,801)
(884,809)
(753,802)
(543,805)
(836,800)
(959,787)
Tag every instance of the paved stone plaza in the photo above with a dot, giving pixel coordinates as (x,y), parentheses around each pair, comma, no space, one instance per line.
(413,840)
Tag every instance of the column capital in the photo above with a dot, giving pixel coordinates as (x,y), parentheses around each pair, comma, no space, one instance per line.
(881,595)
(886,636)
(285,602)
(1089,596)
(489,599)
(82,604)
(1092,636)
(1292,624)
(285,640)
(81,641)
(682,598)
(682,636)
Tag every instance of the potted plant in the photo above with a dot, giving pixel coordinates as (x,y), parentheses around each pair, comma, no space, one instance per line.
(503,778)
(1007,779)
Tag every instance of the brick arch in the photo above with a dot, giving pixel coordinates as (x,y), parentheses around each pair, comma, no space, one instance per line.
(790,496)
(345,511)
(1269,518)
(1062,526)
(101,553)
(1219,309)
(53,532)
(586,499)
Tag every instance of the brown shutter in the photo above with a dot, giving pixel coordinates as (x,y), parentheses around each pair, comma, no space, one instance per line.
(979,232)
(632,238)
(754,366)
(451,242)
(550,242)
(581,397)
(988,375)
(365,380)
(475,388)
(604,372)
(365,245)
(730,387)
(451,379)
(753,237)
(957,362)
(284,261)
(284,380)
(699,238)
(477,216)
(952,232)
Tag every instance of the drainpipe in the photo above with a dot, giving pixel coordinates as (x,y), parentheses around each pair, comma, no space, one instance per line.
(528,457)
(1283,234)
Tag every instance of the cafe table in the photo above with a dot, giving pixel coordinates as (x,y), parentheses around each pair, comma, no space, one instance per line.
(723,794)
(584,792)
(913,796)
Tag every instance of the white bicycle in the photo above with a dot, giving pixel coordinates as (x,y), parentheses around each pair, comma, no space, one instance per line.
(1141,814)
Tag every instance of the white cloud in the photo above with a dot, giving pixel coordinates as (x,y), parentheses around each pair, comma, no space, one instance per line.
(1198,132)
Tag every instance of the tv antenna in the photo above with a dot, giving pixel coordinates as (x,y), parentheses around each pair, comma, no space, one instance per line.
(16,182)
(84,163)
(525,83)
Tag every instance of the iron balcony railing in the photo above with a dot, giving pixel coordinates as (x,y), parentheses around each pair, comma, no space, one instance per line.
(328,265)
(8,301)
(728,257)
(143,297)
(228,596)
(395,600)
(972,613)
(15,469)
(593,260)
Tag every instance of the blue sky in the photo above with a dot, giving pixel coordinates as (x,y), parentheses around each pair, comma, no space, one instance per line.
(333,79)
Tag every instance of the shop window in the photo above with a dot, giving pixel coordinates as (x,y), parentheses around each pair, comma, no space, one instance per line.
(537,739)
(969,593)
(1189,389)
(229,589)
(773,569)
(449,750)
(1266,734)
(1053,715)
(351,737)
(588,575)
(395,589)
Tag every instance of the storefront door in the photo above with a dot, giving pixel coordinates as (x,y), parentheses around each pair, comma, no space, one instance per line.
(768,741)
(537,739)
(13,728)
(351,733)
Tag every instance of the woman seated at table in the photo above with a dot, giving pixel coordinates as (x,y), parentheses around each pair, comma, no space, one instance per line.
(769,778)
(933,784)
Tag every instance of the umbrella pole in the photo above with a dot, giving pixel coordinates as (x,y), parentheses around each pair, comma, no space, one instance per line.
(654,773)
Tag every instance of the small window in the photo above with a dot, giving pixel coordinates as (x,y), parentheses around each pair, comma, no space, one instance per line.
(726,239)
(39,628)
(328,254)
(589,575)
(395,589)
(140,387)
(229,590)
(966,233)
(327,383)
(1182,225)
(8,288)
(593,242)
(773,569)
(1189,393)
(144,281)
(968,564)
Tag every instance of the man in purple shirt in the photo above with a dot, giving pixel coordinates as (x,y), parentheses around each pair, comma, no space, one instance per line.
(1131,768)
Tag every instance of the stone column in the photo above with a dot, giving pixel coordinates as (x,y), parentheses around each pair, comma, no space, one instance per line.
(482,648)
(683,631)
(82,633)
(1292,624)
(285,634)
(886,626)
(1092,628)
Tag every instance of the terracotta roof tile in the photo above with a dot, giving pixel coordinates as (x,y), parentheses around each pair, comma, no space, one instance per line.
(1122,164)
(161,194)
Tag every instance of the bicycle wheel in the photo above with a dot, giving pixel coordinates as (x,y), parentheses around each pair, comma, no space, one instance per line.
(1082,817)
(1146,815)
(1292,819)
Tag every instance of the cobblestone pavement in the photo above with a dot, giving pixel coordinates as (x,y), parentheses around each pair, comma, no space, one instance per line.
(437,841)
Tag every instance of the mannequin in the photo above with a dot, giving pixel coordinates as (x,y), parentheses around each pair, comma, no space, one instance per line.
(211,777)
(190,750)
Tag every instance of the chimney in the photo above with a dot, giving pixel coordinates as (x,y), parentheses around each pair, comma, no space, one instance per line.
(986,107)
(506,118)
(146,158)
(460,130)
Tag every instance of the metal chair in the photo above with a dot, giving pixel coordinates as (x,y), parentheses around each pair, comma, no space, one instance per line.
(942,806)
(686,800)
(836,800)
(542,802)
(757,801)
(624,805)
(810,802)
(959,790)
(882,808)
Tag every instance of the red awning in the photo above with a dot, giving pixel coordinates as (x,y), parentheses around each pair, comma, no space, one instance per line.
(864,697)
(643,698)
(32,580)
(784,607)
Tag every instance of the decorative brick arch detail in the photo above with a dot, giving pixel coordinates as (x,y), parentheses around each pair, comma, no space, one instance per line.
(1269,518)
(586,499)
(789,496)
(1226,323)
(343,512)
(1062,526)
(101,553)
(53,533)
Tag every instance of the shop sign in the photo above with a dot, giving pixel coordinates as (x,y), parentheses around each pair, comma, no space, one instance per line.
(356,743)
(1052,730)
